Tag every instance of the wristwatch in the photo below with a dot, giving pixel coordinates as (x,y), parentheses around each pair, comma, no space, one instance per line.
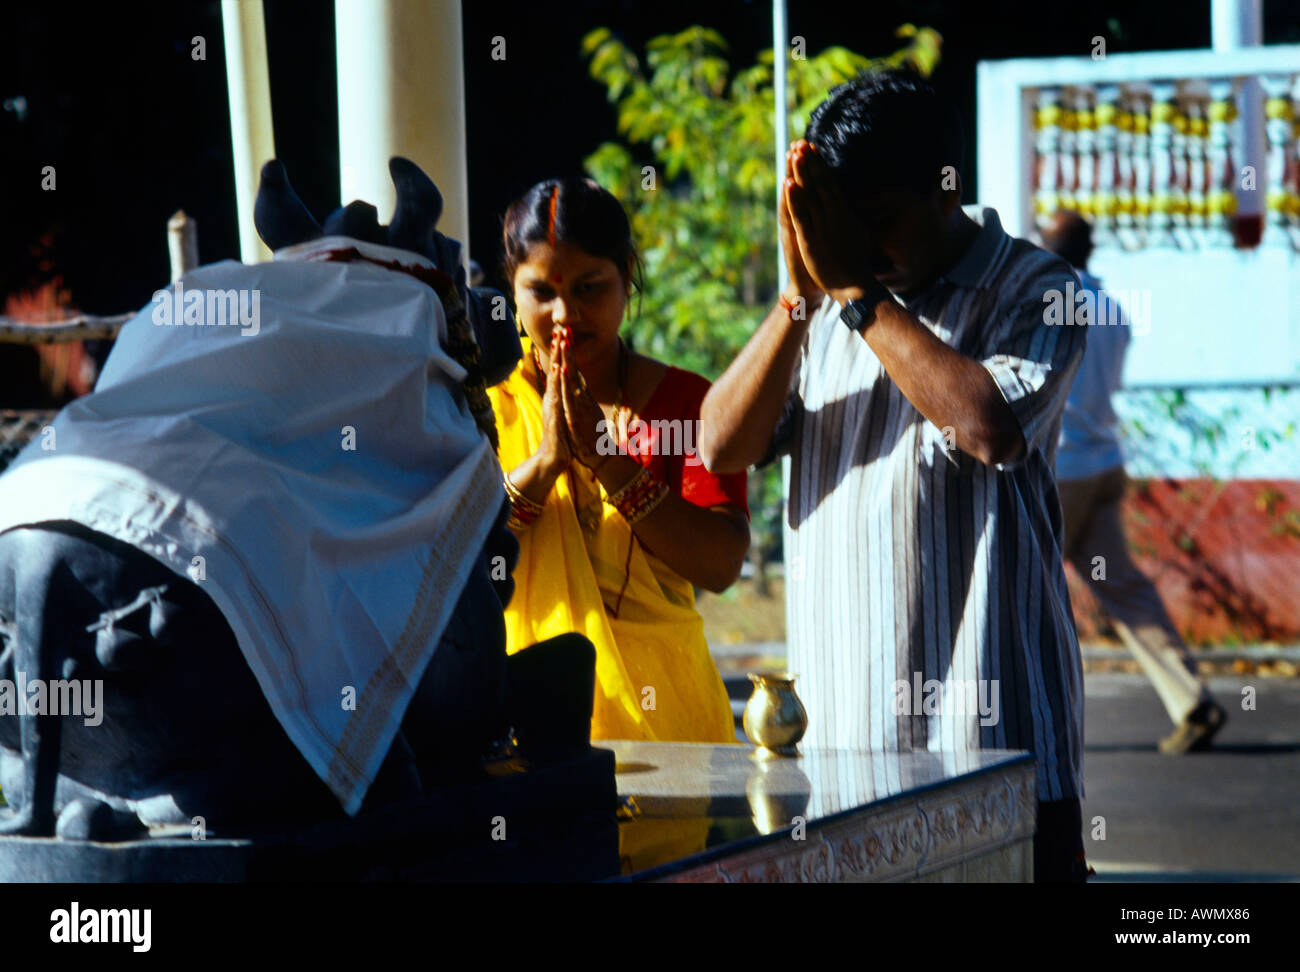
(859,314)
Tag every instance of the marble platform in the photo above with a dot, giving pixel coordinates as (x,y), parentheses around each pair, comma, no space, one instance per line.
(706,813)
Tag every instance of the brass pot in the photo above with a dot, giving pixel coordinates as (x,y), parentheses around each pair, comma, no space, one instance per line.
(775,719)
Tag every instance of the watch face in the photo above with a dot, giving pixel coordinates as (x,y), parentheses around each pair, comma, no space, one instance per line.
(851,315)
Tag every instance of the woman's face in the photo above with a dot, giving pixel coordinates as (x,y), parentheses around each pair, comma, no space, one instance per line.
(565,285)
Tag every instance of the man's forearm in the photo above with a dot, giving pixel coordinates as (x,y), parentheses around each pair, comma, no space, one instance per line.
(740,412)
(948,388)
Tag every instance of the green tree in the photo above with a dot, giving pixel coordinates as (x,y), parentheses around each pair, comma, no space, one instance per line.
(694,169)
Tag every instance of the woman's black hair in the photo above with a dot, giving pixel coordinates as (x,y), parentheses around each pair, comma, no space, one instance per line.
(576,211)
(887,130)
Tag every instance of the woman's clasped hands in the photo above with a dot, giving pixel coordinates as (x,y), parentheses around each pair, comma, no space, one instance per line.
(573,424)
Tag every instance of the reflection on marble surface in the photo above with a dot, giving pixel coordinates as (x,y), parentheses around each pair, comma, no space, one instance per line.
(706,812)
(777,793)
(647,842)
(671,779)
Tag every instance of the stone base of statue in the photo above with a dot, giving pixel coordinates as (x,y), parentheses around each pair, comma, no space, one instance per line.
(554,823)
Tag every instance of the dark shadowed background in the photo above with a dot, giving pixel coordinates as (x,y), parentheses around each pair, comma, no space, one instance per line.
(136,128)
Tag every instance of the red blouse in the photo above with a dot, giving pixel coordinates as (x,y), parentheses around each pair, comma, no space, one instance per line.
(664,437)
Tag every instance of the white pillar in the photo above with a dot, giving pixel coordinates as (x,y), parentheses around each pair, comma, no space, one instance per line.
(402,92)
(781,53)
(251,134)
(1235,24)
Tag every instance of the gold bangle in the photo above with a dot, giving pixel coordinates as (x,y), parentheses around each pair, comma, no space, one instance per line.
(524,507)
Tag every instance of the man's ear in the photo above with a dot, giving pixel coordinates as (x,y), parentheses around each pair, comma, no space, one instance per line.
(950,199)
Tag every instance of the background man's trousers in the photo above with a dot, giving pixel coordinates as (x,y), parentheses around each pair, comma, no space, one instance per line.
(1091,508)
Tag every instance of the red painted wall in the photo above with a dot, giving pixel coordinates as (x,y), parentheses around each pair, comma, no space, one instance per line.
(1225,557)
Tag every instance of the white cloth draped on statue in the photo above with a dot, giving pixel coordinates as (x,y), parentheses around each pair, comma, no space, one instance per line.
(312,466)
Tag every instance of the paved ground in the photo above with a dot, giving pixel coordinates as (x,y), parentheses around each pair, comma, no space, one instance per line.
(1229,814)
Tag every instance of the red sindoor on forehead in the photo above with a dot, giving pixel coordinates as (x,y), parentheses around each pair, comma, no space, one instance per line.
(555,195)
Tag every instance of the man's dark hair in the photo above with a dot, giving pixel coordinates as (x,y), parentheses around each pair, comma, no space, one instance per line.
(887,130)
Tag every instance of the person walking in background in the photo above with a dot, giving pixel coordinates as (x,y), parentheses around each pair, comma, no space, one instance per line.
(1091,480)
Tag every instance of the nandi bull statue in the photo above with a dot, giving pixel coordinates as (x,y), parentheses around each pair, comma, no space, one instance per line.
(257,575)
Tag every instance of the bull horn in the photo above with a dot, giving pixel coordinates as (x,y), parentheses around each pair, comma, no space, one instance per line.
(418,209)
(279,215)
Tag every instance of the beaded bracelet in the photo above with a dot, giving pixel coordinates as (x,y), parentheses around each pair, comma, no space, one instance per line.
(636,482)
(523,511)
(644,503)
(638,497)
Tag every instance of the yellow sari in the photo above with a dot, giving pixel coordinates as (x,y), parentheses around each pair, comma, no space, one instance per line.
(655,679)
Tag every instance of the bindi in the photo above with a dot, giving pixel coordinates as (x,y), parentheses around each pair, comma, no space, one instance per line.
(556,278)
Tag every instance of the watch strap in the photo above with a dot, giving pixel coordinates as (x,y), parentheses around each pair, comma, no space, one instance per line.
(859,314)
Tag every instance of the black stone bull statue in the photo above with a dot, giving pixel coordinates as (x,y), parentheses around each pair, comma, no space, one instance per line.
(183,728)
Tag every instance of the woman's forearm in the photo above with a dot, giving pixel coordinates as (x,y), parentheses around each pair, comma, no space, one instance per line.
(534,478)
(707,546)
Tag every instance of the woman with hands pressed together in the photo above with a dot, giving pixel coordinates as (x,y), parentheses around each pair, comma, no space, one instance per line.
(614,532)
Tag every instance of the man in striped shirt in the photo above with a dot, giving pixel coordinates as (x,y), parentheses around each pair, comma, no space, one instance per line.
(911,373)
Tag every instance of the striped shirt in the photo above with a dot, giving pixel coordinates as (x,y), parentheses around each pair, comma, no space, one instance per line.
(926,599)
